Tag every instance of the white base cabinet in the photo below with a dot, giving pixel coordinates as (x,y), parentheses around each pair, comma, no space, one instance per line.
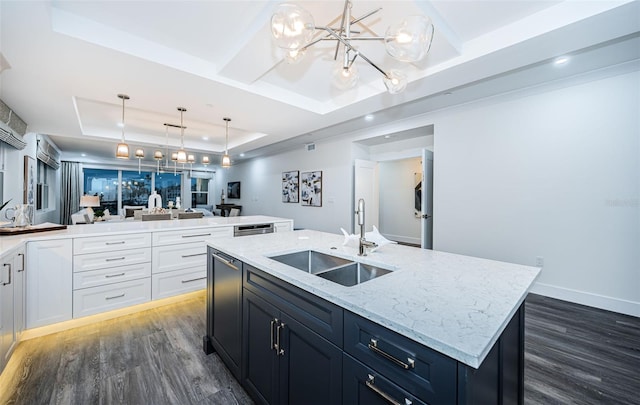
(50,282)
(12,305)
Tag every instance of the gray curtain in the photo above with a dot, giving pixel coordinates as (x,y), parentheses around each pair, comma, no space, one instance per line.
(70,191)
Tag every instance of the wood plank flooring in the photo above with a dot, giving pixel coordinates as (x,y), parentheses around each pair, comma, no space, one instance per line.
(573,355)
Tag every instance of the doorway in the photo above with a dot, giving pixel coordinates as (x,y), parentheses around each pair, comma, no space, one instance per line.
(394,171)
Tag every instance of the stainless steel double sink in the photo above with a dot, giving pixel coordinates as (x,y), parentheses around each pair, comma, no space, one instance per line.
(337,269)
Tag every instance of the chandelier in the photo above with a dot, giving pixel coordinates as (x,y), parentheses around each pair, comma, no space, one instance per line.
(122,149)
(293,29)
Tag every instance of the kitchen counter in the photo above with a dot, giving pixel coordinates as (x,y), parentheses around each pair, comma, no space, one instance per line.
(457,305)
(8,243)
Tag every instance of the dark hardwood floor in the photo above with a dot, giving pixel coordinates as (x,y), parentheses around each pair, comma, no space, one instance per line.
(573,355)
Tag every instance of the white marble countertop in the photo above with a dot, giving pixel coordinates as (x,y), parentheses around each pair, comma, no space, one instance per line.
(8,243)
(457,305)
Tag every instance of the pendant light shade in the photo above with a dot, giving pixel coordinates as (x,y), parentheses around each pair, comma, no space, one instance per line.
(139,155)
(182,154)
(205,160)
(122,150)
(226,159)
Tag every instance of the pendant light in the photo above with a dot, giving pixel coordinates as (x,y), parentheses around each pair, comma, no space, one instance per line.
(140,156)
(226,160)
(205,160)
(157,155)
(122,150)
(182,154)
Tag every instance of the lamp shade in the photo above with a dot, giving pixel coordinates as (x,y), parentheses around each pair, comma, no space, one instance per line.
(90,201)
(410,40)
(140,153)
(292,26)
(122,151)
(158,155)
(226,161)
(205,160)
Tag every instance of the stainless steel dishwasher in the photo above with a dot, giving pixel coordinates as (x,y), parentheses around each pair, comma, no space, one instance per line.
(256,229)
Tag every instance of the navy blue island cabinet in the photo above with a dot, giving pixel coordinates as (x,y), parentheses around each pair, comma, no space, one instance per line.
(288,346)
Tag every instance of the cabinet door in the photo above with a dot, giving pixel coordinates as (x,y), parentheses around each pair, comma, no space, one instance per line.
(50,280)
(227,309)
(19,291)
(260,364)
(7,331)
(364,386)
(310,367)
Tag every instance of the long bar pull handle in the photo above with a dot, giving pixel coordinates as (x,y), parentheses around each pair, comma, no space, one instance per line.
(113,259)
(272,345)
(22,268)
(5,265)
(371,385)
(195,236)
(192,280)
(114,275)
(115,243)
(411,363)
(225,261)
(114,297)
(280,350)
(194,255)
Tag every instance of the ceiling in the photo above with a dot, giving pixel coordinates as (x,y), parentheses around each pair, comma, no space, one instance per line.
(62,64)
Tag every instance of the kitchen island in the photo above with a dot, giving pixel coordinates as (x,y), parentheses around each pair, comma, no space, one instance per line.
(463,314)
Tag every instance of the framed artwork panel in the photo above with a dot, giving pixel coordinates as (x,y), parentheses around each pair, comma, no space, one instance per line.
(291,186)
(311,189)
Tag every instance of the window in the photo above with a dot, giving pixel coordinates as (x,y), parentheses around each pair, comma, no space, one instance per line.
(42,193)
(199,192)
(168,186)
(119,188)
(105,184)
(136,188)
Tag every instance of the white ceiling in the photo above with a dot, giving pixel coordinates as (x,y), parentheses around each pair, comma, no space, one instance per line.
(64,62)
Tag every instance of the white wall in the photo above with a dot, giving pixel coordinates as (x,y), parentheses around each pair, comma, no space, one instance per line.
(554,174)
(397,197)
(261,185)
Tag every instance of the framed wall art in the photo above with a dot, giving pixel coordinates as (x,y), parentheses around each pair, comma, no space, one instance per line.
(233,189)
(290,186)
(311,189)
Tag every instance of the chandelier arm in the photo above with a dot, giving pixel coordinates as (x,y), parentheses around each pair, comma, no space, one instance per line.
(345,14)
(369,14)
(348,45)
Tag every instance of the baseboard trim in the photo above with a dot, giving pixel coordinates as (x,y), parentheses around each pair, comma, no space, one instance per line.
(589,299)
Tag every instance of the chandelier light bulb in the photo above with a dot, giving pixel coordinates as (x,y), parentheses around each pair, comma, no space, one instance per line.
(292,26)
(294,56)
(345,78)
(395,81)
(409,40)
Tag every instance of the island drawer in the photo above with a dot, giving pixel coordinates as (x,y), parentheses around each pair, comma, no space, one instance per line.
(99,277)
(110,243)
(176,257)
(94,300)
(422,371)
(364,386)
(319,315)
(95,261)
(178,282)
(173,237)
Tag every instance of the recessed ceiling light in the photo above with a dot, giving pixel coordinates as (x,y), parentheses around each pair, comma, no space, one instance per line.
(562,60)
(83,154)
(242,155)
(388,136)
(368,117)
(205,138)
(120,125)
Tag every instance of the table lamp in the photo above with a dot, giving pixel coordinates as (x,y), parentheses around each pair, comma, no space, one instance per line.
(89,201)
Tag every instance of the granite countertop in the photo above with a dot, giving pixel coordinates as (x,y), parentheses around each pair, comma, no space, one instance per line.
(8,243)
(457,305)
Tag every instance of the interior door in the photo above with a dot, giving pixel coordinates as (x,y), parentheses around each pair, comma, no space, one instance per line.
(366,186)
(427,198)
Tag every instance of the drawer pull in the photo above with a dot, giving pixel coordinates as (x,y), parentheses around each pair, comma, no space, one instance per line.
(114,275)
(371,385)
(279,349)
(114,297)
(194,255)
(21,254)
(196,235)
(115,243)
(272,344)
(193,279)
(373,345)
(113,259)
(8,265)
(225,261)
